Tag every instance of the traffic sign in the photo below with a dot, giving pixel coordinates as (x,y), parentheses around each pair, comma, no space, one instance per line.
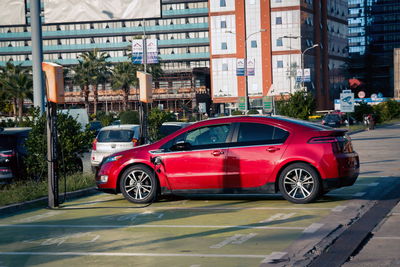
(361,94)
(346,101)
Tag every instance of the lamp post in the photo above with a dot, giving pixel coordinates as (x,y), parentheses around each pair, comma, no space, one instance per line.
(247,102)
(290,37)
(302,63)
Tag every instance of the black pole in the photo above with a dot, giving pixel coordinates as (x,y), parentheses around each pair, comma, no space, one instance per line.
(52,155)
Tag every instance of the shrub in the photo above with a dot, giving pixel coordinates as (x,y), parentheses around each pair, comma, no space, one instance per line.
(253,112)
(105,118)
(361,110)
(237,112)
(156,118)
(300,105)
(129,117)
(72,142)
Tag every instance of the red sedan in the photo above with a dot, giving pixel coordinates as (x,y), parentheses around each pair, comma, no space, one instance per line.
(244,154)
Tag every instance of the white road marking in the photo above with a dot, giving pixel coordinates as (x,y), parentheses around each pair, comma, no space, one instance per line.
(236,240)
(40,216)
(387,237)
(339,208)
(121,254)
(82,238)
(278,216)
(150,226)
(312,228)
(373,184)
(274,256)
(238,208)
(132,217)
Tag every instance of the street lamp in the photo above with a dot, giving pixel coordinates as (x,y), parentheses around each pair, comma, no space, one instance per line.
(290,37)
(302,62)
(247,102)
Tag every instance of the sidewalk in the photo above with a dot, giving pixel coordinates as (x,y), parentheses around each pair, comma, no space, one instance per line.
(383,249)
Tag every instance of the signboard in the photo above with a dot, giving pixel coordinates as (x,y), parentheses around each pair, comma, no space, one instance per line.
(202,107)
(267,103)
(12,12)
(240,70)
(346,101)
(152,51)
(307,75)
(250,69)
(137,51)
(62,11)
(145,87)
(242,103)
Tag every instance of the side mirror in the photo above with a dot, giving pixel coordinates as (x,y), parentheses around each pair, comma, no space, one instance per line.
(182,146)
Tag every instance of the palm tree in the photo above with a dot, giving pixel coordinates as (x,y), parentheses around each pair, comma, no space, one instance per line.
(98,67)
(123,77)
(16,83)
(82,78)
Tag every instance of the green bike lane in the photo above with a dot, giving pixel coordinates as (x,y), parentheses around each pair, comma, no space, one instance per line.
(106,230)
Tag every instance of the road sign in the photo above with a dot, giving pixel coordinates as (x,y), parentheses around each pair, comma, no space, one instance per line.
(307,75)
(346,101)
(242,103)
(267,103)
(361,94)
(374,96)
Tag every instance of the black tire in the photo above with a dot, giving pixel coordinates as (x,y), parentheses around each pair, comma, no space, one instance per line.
(139,185)
(299,183)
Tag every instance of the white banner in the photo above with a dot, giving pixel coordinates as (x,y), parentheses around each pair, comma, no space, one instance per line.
(12,12)
(60,11)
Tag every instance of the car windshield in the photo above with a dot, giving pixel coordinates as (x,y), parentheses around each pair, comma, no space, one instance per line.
(7,141)
(115,135)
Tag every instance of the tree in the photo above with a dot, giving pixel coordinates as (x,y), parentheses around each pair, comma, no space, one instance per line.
(82,78)
(301,104)
(16,83)
(156,118)
(98,70)
(123,77)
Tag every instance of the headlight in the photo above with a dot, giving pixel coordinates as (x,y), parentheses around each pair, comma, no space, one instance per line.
(111,159)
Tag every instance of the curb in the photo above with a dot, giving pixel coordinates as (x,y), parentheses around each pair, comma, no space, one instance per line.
(43,201)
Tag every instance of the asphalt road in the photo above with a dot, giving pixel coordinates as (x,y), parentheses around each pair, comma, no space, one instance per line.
(106,230)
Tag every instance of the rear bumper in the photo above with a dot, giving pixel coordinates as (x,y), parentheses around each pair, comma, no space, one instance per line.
(332,183)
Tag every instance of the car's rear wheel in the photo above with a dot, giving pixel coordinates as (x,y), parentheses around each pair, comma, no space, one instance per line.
(139,185)
(299,183)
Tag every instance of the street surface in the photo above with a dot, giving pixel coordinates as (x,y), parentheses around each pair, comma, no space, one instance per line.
(106,230)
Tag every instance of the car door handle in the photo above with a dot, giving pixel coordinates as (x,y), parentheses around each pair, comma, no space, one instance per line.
(217,152)
(273,149)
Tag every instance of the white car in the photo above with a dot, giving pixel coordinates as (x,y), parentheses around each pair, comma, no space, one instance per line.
(112,139)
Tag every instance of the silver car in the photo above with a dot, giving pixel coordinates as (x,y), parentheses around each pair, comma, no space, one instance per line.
(112,139)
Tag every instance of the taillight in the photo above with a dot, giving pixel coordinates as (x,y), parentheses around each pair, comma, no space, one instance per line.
(94,144)
(135,142)
(323,139)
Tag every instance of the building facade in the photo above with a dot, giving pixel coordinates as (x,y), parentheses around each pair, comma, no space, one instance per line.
(277,38)
(374,33)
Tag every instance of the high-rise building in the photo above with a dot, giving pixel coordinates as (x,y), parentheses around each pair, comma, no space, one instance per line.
(374,33)
(183,42)
(278,38)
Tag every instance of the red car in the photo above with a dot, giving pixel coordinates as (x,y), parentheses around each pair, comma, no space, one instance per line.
(240,154)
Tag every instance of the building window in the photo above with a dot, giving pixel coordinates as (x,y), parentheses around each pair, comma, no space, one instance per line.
(223,24)
(224,46)
(222,3)
(278,20)
(279,42)
(279,64)
(224,67)
(253,44)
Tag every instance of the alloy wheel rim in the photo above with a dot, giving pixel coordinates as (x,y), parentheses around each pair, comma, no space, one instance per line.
(298,183)
(138,185)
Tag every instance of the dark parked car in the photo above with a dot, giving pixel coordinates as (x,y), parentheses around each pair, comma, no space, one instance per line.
(12,153)
(336,119)
(241,154)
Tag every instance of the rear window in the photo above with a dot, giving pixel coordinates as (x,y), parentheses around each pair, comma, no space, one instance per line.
(7,141)
(115,136)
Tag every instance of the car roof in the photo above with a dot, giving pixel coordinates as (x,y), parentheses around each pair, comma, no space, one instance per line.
(15,131)
(120,127)
(176,123)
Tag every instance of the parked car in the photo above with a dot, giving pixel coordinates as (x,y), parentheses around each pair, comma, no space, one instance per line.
(12,153)
(240,154)
(168,128)
(111,139)
(336,119)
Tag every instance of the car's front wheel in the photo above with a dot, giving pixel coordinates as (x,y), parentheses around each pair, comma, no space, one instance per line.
(299,183)
(138,184)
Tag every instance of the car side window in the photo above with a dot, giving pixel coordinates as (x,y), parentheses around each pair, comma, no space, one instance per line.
(204,137)
(258,133)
